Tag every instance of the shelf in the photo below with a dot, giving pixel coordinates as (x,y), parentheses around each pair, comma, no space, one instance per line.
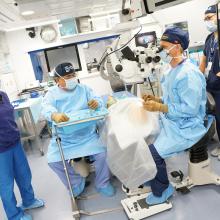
(83,37)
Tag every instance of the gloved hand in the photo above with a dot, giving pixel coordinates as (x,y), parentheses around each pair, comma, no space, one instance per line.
(93,104)
(148,97)
(111,101)
(153,106)
(59,117)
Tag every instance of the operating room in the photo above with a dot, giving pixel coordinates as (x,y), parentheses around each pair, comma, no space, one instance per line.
(109,109)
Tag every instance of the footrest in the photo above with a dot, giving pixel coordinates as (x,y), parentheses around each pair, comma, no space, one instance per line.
(136,207)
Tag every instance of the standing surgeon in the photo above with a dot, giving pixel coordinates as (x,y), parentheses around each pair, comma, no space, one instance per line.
(210,66)
(14,166)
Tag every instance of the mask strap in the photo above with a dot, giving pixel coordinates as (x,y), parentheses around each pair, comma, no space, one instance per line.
(170,49)
(58,74)
(177,56)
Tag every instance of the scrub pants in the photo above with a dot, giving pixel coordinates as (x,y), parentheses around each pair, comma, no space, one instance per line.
(101,170)
(216,97)
(160,182)
(14,166)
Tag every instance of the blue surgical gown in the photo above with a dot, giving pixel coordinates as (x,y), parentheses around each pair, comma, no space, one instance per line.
(82,142)
(184,91)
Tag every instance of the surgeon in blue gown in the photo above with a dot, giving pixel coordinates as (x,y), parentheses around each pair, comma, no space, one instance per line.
(68,97)
(182,108)
(14,166)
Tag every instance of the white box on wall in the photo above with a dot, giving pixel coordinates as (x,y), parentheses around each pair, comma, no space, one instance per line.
(9,86)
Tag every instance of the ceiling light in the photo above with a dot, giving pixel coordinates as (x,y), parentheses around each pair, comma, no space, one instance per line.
(26,13)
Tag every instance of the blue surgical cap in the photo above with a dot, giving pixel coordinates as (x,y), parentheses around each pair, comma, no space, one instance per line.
(211,9)
(64,69)
(176,35)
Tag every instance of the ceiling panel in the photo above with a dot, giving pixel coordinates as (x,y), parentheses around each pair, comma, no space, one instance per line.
(49,8)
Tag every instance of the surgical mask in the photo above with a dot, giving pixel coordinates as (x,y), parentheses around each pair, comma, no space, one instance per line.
(164,54)
(211,26)
(71,83)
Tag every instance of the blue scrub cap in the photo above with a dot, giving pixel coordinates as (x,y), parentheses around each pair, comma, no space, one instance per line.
(64,69)
(176,35)
(211,9)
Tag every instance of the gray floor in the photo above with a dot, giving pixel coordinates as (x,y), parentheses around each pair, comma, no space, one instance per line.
(202,203)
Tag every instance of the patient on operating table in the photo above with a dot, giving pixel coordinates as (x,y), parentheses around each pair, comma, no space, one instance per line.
(62,100)
(128,129)
(136,112)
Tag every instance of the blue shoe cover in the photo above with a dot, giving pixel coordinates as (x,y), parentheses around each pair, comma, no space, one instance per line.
(26,217)
(79,189)
(108,191)
(38,203)
(154,200)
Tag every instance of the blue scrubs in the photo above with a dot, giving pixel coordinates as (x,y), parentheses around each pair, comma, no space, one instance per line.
(184,91)
(13,163)
(213,81)
(82,142)
(78,143)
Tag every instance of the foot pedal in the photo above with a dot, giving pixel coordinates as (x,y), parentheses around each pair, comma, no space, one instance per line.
(178,175)
(183,190)
(136,207)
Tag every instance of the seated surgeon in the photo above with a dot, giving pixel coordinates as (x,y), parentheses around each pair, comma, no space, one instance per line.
(14,166)
(67,97)
(182,109)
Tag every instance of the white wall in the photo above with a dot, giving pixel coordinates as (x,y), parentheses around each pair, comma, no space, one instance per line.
(97,84)
(20,43)
(192,12)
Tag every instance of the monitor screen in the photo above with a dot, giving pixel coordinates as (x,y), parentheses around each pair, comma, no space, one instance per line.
(143,39)
(65,53)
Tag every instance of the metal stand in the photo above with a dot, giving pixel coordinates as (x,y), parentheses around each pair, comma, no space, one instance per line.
(75,210)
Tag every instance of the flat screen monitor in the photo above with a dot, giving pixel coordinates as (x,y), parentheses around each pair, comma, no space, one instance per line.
(60,54)
(143,39)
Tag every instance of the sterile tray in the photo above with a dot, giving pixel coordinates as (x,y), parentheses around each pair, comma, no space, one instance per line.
(81,119)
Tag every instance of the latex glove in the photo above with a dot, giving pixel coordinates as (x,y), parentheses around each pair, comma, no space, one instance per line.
(148,97)
(153,106)
(59,117)
(111,101)
(93,104)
